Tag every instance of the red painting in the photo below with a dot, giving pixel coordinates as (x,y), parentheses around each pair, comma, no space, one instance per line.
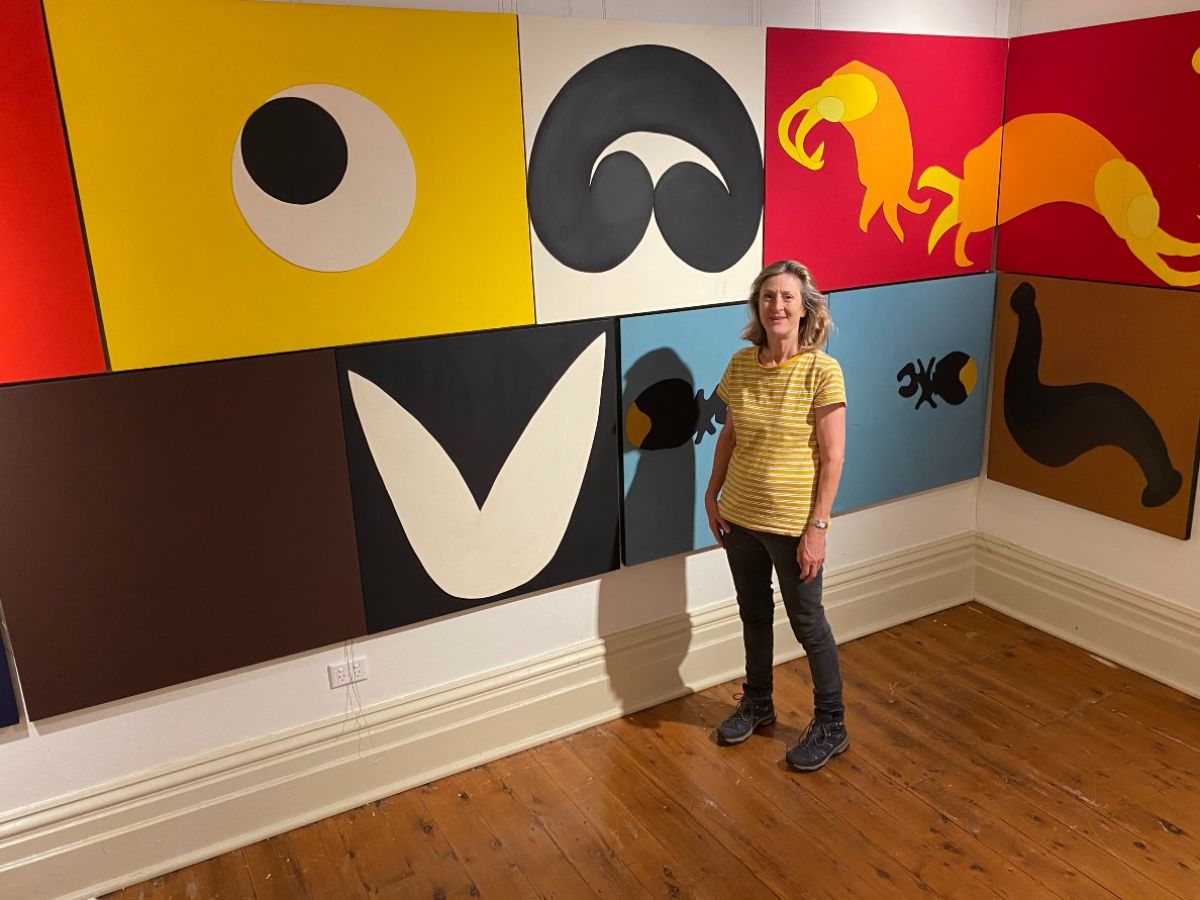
(48,324)
(1101,174)
(866,136)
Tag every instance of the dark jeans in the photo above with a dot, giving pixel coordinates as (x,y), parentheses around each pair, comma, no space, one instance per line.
(751,555)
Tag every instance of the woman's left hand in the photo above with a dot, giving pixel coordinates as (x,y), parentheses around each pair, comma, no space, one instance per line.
(810,554)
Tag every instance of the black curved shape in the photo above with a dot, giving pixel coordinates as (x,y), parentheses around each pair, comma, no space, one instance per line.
(294,150)
(946,381)
(1055,424)
(676,414)
(593,222)
(672,410)
(910,381)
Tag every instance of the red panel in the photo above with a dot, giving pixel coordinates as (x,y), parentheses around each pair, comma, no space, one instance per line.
(952,90)
(1134,84)
(48,325)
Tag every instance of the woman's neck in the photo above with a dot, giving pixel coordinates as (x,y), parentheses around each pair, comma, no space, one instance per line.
(779,350)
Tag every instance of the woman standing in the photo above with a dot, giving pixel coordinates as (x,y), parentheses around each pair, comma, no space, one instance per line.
(777,466)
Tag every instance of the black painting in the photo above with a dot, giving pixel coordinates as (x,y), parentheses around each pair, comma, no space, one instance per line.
(475,395)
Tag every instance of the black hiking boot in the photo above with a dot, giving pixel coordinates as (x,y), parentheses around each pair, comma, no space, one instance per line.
(752,712)
(820,742)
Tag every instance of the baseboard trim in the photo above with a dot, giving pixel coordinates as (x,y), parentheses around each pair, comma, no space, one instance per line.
(1143,632)
(127,832)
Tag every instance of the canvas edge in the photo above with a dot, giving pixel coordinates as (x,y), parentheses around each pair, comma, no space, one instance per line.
(135,829)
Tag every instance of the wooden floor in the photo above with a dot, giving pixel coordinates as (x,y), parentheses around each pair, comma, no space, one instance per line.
(986,759)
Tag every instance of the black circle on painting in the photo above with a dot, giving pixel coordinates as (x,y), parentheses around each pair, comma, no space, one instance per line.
(294,150)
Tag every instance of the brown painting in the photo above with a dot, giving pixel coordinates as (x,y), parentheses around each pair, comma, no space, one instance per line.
(1097,398)
(166,525)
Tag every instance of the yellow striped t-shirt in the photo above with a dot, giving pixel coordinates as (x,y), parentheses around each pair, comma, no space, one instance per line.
(771,483)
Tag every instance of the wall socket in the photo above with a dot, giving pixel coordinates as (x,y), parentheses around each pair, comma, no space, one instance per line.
(342,674)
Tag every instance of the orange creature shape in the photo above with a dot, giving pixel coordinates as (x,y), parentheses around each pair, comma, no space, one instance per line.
(866,103)
(1055,158)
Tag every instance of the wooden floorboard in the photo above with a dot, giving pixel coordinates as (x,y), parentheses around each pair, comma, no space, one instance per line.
(987,760)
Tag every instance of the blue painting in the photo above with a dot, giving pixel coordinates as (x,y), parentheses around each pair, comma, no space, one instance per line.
(8,702)
(916,359)
(671,364)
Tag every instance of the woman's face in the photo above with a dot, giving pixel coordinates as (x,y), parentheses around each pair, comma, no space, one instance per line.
(780,306)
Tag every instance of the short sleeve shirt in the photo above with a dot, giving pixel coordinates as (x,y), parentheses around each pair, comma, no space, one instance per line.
(771,482)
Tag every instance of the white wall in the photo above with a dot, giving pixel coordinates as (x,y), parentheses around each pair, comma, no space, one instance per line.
(54,759)
(1033,16)
(1164,567)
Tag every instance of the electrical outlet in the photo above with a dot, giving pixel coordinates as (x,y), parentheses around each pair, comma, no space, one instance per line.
(339,675)
(342,674)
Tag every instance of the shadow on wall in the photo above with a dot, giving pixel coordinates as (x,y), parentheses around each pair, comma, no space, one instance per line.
(642,615)
(643,664)
(661,497)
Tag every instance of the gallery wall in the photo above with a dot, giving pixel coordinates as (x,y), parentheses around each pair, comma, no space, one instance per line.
(135,475)
(93,746)
(1164,567)
(850,136)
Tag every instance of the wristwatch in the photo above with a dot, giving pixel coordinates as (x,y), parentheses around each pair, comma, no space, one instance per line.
(822,524)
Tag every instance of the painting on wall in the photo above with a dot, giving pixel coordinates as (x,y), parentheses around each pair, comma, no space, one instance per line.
(1101,147)
(671,416)
(645,164)
(168,525)
(249,185)
(916,359)
(1092,412)
(9,714)
(483,466)
(866,139)
(48,325)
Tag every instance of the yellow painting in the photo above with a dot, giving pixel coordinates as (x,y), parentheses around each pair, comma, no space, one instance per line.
(262,177)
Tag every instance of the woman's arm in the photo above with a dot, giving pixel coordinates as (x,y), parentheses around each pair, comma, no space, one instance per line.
(831,444)
(721,455)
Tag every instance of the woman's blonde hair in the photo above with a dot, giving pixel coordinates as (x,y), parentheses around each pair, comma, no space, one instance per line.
(816,324)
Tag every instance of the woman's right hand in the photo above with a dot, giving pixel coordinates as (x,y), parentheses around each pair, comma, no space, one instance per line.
(718,525)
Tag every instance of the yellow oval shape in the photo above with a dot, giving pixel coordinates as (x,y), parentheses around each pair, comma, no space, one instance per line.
(969,376)
(637,425)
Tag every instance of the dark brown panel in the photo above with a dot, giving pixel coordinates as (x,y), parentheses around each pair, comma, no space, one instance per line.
(1096,397)
(166,525)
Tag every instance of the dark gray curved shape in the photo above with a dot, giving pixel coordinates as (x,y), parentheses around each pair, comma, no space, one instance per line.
(1055,424)
(592,223)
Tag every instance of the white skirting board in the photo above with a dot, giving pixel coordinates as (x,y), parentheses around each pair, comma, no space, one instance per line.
(1146,633)
(127,832)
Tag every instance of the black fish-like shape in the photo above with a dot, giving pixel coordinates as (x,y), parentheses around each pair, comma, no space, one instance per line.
(1055,424)
(952,379)
(593,222)
(667,414)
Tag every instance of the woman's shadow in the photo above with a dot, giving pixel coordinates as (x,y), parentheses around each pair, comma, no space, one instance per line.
(642,613)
